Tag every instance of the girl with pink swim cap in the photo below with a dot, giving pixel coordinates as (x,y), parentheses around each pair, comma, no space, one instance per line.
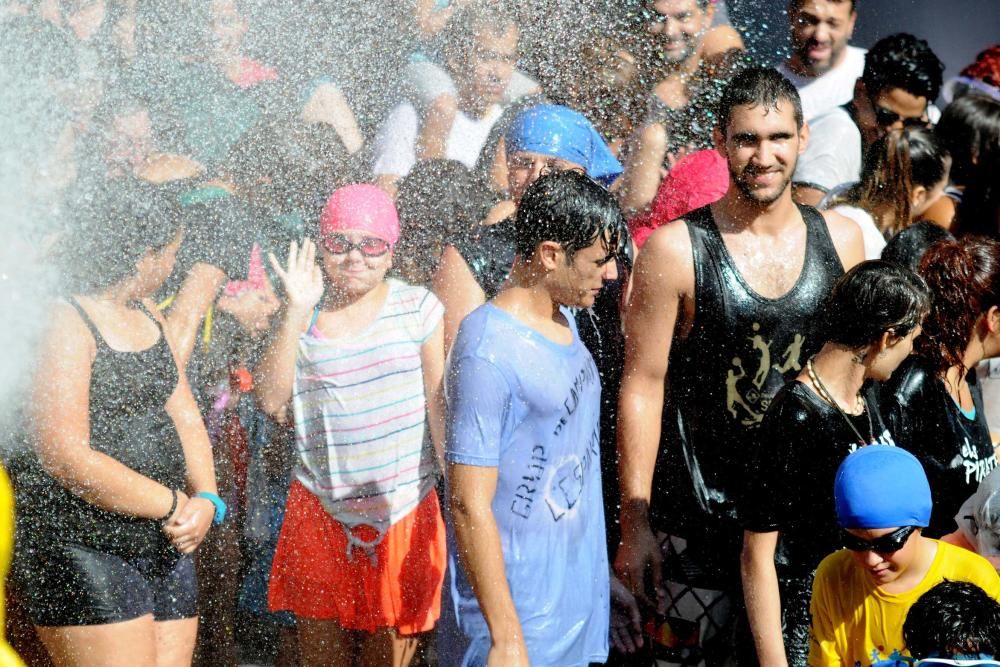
(359,361)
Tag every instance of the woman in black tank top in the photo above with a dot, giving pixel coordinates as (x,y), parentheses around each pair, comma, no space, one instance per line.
(107,514)
(832,407)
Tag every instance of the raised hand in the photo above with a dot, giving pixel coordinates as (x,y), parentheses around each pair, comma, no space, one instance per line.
(303,278)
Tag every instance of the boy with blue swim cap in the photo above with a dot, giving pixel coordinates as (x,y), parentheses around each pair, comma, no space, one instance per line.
(861,594)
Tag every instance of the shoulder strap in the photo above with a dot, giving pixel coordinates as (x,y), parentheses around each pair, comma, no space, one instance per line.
(89,322)
(143,308)
(312,321)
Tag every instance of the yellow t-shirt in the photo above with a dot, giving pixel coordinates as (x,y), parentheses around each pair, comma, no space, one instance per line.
(854,622)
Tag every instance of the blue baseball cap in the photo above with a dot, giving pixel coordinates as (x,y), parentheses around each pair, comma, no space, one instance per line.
(880,486)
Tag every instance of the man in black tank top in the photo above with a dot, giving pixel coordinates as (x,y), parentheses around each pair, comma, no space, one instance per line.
(718,319)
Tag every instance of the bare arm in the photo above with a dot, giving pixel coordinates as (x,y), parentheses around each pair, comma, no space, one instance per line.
(455,286)
(181,322)
(763,600)
(60,404)
(663,281)
(847,238)
(643,169)
(432,366)
(481,554)
(303,284)
(328,105)
(188,526)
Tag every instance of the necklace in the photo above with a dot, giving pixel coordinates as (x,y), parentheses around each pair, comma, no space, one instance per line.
(825,394)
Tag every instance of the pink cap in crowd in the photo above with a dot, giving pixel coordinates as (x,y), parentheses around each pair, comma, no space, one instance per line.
(361,207)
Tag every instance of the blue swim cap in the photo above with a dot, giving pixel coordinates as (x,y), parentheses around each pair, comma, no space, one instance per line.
(551,129)
(879,486)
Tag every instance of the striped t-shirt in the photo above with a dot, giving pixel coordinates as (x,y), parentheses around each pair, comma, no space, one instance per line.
(360,413)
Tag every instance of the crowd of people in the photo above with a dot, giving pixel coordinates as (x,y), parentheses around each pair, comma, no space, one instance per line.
(636,351)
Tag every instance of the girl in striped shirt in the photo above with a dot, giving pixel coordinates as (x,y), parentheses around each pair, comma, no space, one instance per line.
(359,360)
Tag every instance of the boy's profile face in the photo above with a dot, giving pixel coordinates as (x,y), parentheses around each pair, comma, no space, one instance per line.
(884,568)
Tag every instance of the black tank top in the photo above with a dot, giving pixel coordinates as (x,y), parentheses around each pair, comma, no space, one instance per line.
(128,422)
(741,349)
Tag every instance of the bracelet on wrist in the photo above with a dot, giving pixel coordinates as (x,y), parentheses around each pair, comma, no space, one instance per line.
(220,506)
(173,507)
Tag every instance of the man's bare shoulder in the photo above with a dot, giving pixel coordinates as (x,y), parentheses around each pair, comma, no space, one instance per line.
(667,256)
(847,238)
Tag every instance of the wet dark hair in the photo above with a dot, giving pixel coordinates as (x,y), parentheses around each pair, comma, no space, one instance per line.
(951,619)
(113,229)
(758,86)
(895,164)
(970,129)
(964,276)
(873,298)
(439,201)
(903,61)
(571,209)
(907,248)
(977,128)
(287,165)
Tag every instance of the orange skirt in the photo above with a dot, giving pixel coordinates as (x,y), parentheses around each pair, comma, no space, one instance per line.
(313,578)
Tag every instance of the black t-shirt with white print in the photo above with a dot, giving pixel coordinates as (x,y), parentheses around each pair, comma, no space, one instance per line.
(789,489)
(955,449)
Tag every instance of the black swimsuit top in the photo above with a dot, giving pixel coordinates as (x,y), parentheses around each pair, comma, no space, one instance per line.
(741,349)
(128,422)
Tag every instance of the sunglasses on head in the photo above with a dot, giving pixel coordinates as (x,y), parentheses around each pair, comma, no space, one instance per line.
(887,118)
(369,246)
(886,544)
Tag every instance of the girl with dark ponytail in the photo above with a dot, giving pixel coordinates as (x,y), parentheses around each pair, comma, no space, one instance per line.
(868,325)
(935,401)
(904,173)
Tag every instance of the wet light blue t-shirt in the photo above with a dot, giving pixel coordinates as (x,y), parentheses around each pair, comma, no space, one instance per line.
(531,407)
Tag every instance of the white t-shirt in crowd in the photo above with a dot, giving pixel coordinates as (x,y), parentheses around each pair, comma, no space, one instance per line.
(396,141)
(873,239)
(821,93)
(833,154)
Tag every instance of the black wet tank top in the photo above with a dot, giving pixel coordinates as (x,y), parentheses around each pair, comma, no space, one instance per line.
(740,351)
(128,422)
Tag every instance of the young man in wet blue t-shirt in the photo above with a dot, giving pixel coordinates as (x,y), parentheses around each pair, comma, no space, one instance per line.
(529,560)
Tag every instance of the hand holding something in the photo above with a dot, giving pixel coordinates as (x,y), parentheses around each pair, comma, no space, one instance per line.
(626,622)
(303,278)
(189,524)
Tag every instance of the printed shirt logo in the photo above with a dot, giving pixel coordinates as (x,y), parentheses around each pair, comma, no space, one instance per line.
(744,399)
(976,469)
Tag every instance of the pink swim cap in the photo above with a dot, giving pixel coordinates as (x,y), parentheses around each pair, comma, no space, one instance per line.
(363,208)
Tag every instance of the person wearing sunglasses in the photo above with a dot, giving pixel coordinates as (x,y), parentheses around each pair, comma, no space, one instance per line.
(861,594)
(357,362)
(897,88)
(830,409)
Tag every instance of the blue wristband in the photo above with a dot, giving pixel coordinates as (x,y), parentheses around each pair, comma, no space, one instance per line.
(220,506)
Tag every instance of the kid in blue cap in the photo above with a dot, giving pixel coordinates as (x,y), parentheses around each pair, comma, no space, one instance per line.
(861,594)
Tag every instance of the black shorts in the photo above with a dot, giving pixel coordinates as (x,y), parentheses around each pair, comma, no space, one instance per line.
(69,584)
